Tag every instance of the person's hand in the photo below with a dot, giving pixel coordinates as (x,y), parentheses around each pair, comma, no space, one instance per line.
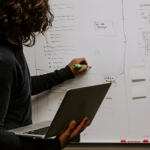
(72,132)
(78,61)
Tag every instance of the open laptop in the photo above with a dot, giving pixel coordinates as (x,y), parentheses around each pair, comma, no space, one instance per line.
(77,104)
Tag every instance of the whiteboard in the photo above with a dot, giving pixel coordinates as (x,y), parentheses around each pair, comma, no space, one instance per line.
(114,37)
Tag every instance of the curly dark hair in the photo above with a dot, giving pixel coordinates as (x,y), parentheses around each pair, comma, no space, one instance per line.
(20,19)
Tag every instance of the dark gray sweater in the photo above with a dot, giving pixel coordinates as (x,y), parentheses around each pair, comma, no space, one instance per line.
(16,89)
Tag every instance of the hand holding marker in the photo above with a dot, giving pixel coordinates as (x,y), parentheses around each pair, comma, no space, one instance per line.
(75,69)
(80,66)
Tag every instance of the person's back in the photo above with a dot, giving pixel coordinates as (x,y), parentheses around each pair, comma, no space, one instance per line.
(19,19)
(16,83)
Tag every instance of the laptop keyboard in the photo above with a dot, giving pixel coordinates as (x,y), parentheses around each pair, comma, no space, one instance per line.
(41,131)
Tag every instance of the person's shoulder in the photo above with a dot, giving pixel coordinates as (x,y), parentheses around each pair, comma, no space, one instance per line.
(7,55)
(7,50)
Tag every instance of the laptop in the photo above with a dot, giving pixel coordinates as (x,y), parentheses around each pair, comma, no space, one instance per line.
(77,104)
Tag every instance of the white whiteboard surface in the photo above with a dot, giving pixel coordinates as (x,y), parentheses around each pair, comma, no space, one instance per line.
(114,37)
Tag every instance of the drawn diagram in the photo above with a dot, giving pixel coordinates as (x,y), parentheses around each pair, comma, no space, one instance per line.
(107,108)
(144,41)
(105,29)
(144,6)
(74,35)
(58,49)
(75,32)
(144,17)
(144,30)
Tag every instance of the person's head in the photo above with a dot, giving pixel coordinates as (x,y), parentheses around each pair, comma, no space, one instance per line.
(19,19)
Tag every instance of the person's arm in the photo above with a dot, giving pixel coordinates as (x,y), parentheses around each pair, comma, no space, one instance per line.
(9,140)
(46,82)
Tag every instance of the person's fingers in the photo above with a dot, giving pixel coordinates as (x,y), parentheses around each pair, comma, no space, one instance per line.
(71,126)
(87,123)
(83,68)
(85,61)
(70,129)
(78,129)
(82,60)
(65,137)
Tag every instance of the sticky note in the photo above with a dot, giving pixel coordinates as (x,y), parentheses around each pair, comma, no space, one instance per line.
(138,73)
(139,91)
(111,79)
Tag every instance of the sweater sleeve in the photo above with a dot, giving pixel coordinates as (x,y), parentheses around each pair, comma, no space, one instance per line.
(46,82)
(9,140)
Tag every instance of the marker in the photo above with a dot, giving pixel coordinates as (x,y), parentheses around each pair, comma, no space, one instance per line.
(80,66)
(123,141)
(145,141)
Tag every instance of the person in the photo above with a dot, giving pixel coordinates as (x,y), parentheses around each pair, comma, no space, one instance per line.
(20,20)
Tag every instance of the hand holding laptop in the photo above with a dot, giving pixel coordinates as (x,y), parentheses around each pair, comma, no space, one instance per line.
(75,106)
(72,132)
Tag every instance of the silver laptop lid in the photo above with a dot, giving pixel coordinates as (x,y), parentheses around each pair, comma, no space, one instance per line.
(77,104)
